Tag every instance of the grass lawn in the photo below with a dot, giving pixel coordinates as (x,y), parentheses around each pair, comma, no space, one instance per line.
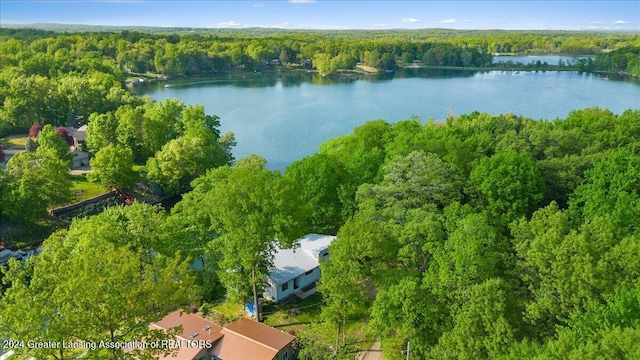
(84,189)
(304,317)
(146,76)
(14,141)
(229,309)
(368,69)
(18,235)
(293,312)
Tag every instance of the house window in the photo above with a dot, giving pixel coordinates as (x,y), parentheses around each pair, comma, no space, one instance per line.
(285,286)
(309,272)
(285,355)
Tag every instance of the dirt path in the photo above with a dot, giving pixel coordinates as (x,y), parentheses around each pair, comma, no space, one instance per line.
(374,353)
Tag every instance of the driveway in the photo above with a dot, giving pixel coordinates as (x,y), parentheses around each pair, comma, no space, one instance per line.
(8,153)
(81,170)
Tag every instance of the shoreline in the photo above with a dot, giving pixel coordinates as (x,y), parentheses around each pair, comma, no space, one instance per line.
(359,71)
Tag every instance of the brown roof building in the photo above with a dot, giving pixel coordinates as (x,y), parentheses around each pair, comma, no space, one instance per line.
(243,339)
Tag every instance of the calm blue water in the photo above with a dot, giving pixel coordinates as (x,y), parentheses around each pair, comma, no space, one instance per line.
(285,117)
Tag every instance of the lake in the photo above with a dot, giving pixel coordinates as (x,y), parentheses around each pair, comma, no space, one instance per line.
(284,117)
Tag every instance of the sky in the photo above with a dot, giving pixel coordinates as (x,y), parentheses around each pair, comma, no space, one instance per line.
(332,14)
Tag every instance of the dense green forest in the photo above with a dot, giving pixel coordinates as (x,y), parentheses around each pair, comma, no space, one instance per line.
(491,237)
(483,236)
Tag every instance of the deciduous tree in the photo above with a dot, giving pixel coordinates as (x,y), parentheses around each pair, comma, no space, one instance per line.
(101,131)
(251,213)
(84,287)
(611,187)
(509,186)
(35,182)
(318,179)
(64,134)
(49,141)
(30,145)
(484,327)
(113,165)
(34,130)
(189,156)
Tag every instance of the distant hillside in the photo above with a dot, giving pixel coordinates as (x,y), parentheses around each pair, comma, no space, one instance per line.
(418,34)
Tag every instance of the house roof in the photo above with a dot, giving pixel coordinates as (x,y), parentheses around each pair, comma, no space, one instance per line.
(249,339)
(80,134)
(314,243)
(186,353)
(191,324)
(260,333)
(290,263)
(233,347)
(240,340)
(193,328)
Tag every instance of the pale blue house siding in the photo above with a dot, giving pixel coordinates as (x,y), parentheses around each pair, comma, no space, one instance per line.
(285,293)
(297,268)
(301,281)
(307,279)
(276,293)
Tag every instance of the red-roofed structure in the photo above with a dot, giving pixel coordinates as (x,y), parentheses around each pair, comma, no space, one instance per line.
(244,339)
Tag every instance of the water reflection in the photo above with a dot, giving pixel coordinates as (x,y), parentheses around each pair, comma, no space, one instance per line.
(286,116)
(292,79)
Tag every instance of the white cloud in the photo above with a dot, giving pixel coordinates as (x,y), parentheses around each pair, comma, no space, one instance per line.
(409,20)
(302,1)
(448,21)
(258,5)
(620,22)
(228,24)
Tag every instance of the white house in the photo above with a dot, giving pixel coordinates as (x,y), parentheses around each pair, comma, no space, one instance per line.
(80,158)
(297,269)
